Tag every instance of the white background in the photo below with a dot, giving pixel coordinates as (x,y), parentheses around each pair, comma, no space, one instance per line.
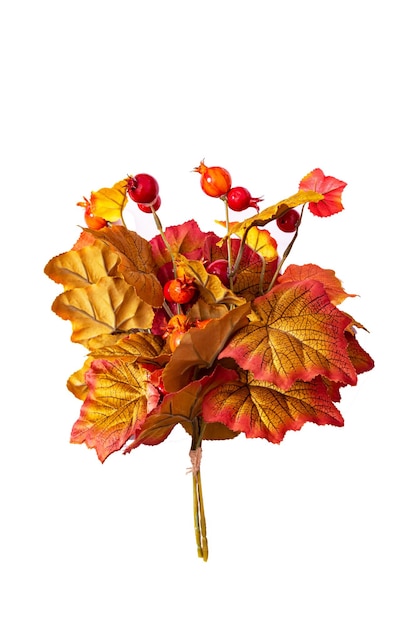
(319,530)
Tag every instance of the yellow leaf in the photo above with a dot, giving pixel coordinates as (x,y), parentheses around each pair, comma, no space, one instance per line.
(84,266)
(258,240)
(108,306)
(108,202)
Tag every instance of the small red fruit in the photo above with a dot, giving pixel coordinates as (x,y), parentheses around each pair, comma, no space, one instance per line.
(142,188)
(179,291)
(219,268)
(176,328)
(288,222)
(94,221)
(147,208)
(239,199)
(215,181)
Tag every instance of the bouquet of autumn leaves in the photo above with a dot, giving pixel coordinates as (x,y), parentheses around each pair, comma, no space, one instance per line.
(212,333)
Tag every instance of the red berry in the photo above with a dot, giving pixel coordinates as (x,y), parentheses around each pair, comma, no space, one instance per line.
(147,208)
(239,199)
(219,268)
(288,222)
(142,188)
(179,291)
(215,181)
(94,221)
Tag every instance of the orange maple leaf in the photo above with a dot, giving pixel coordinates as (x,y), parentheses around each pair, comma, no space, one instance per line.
(295,333)
(261,409)
(119,398)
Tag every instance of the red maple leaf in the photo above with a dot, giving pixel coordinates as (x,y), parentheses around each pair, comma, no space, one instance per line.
(330,187)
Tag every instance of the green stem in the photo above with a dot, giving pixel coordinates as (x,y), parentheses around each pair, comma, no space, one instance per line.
(200,528)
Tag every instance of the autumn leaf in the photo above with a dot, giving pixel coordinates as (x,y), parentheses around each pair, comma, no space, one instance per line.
(186,239)
(330,188)
(258,240)
(108,306)
(107,202)
(361,360)
(261,409)
(182,407)
(295,333)
(332,285)
(136,261)
(142,347)
(82,267)
(119,398)
(199,347)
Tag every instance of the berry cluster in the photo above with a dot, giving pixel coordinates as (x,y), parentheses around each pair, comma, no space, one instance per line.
(217,182)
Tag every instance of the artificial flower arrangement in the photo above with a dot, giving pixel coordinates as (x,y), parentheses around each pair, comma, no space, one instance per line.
(213,333)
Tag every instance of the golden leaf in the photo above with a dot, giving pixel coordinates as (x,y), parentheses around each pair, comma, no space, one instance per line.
(136,262)
(84,266)
(117,401)
(108,306)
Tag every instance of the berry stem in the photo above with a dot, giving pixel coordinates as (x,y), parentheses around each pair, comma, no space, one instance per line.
(229,245)
(168,247)
(286,253)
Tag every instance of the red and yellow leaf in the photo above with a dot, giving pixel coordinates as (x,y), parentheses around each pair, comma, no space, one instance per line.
(183,407)
(295,333)
(330,188)
(109,306)
(118,400)
(332,285)
(261,409)
(186,239)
